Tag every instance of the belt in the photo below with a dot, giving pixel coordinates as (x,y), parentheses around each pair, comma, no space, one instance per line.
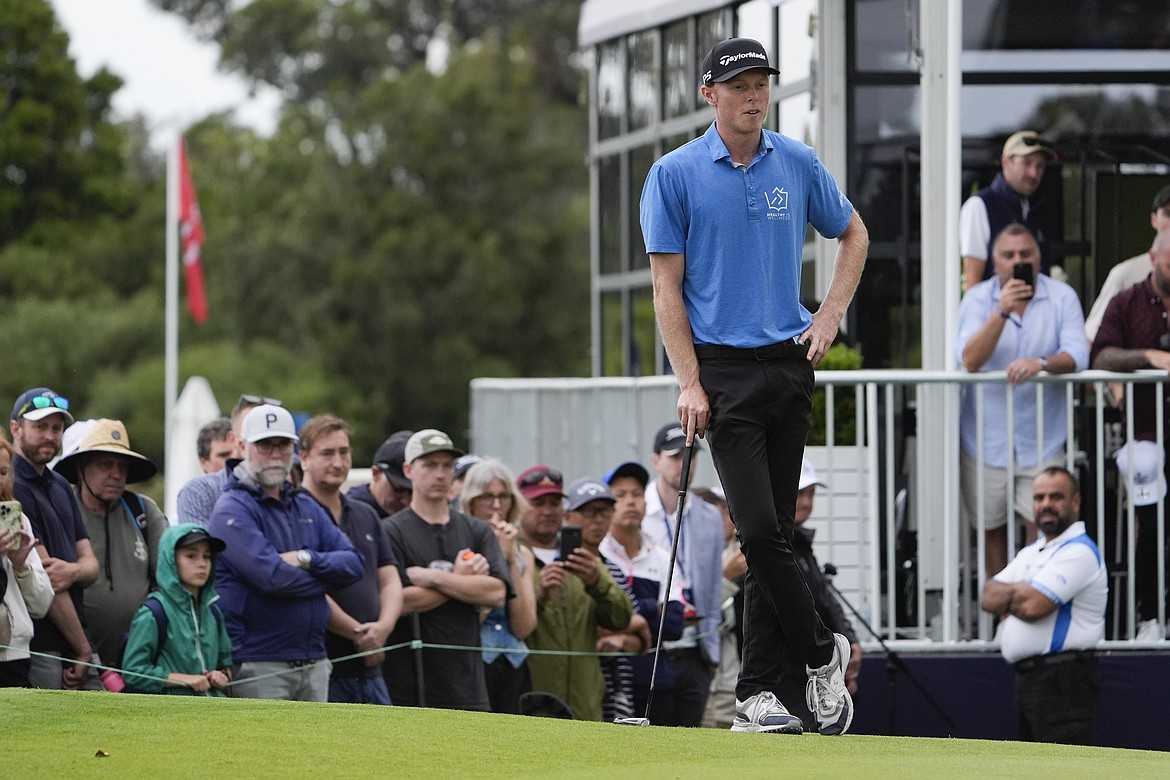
(779,351)
(1035,662)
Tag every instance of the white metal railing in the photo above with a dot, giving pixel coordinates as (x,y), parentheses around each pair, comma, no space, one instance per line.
(948,564)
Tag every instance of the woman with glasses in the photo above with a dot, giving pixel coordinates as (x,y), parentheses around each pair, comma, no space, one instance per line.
(488,494)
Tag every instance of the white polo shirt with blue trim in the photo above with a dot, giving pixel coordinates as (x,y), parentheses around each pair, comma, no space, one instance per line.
(1070,571)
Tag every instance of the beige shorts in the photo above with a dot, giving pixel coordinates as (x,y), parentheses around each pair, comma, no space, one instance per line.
(995,481)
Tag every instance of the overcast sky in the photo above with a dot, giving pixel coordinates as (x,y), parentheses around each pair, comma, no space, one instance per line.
(169,76)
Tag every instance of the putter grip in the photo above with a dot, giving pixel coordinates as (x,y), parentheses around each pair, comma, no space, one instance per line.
(688,452)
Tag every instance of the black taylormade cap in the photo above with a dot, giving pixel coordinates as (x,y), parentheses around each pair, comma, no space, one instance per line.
(733,56)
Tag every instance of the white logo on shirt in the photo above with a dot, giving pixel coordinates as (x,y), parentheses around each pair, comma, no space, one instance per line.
(778,203)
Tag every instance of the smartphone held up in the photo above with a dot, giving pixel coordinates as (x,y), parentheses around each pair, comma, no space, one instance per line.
(570,540)
(1025,272)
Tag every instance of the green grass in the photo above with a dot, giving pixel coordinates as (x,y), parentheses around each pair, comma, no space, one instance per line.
(57,734)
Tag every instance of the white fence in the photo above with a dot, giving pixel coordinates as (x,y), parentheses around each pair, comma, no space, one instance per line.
(889,519)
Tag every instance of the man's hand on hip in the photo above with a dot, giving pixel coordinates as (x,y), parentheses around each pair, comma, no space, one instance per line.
(819,336)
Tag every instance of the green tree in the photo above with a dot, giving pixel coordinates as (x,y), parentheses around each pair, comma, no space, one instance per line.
(60,158)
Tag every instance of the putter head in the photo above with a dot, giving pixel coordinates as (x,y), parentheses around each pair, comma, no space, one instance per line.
(632,721)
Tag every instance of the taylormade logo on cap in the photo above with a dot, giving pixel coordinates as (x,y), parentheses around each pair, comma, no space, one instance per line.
(733,56)
(728,59)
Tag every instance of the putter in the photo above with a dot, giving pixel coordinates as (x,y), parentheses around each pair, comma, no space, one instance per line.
(678,515)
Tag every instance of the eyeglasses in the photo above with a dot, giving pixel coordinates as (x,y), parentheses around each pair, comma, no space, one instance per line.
(596,512)
(260,400)
(491,498)
(541,476)
(44,402)
(268,446)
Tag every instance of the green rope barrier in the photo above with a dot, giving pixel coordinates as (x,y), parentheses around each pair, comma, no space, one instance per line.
(413,645)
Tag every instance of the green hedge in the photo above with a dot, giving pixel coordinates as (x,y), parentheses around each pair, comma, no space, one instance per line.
(839,358)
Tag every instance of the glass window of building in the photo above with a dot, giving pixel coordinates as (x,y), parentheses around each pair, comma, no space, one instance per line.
(643,79)
(611,90)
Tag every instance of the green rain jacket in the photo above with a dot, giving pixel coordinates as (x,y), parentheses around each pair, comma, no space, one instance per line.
(196,640)
(569,621)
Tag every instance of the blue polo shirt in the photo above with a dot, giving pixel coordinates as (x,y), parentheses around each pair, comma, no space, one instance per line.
(742,232)
(48,501)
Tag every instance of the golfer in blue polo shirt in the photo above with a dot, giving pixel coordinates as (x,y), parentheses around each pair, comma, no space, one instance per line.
(724,218)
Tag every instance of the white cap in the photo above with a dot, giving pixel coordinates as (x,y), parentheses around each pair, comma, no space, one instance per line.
(808,476)
(1147,484)
(71,439)
(268,422)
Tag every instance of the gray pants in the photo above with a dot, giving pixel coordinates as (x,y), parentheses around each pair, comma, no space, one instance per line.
(289,680)
(45,673)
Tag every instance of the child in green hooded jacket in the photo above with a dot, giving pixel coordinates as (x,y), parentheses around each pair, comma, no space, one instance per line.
(196,654)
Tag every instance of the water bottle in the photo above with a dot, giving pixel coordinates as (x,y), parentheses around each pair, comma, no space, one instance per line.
(111,680)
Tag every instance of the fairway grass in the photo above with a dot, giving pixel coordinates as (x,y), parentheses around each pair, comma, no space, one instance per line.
(57,734)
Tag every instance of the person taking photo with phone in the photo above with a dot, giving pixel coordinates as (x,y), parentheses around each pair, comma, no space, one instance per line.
(1007,324)
(575,593)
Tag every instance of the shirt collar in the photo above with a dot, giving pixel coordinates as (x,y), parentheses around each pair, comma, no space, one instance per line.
(1072,532)
(719,151)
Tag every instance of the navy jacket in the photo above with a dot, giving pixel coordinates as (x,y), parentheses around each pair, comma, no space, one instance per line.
(276,611)
(1004,207)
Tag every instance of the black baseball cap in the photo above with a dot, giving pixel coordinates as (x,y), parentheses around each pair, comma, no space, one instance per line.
(733,56)
(629,469)
(1161,199)
(198,535)
(671,438)
(390,457)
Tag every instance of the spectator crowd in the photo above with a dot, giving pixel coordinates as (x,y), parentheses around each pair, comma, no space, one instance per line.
(449,580)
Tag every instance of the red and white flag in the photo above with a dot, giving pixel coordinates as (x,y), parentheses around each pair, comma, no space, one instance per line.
(191,233)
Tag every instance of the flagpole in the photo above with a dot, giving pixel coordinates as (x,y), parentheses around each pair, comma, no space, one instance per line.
(171,362)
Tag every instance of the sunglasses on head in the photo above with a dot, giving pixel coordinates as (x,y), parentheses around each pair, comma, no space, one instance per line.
(44,402)
(260,400)
(1032,141)
(540,475)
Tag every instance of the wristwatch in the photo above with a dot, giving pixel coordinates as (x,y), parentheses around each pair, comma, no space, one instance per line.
(304,558)
(1043,363)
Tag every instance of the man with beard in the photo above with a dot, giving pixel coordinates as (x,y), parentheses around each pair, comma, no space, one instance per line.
(284,553)
(1133,336)
(39,417)
(1051,601)
(197,498)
